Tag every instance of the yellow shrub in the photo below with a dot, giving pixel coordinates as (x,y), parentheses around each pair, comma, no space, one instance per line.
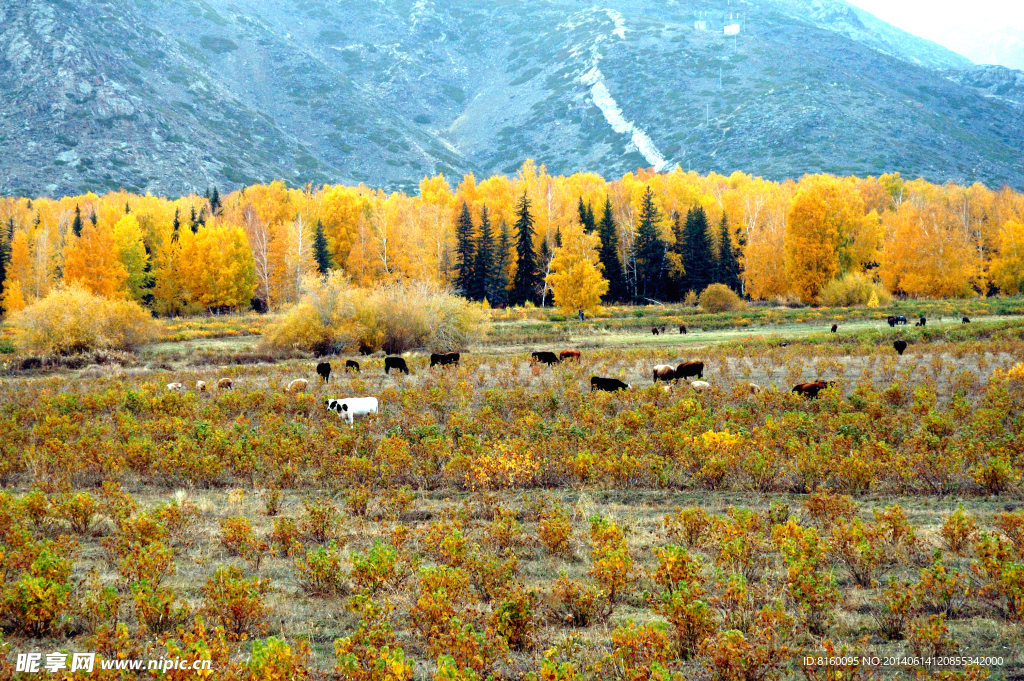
(394,317)
(852,289)
(720,298)
(71,320)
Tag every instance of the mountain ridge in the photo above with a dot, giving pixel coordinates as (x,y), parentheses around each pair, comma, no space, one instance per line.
(385,94)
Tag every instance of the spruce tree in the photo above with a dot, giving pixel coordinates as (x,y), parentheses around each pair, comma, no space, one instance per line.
(698,253)
(174,227)
(586,217)
(215,201)
(5,250)
(320,252)
(93,218)
(483,268)
(192,221)
(127,208)
(675,284)
(464,252)
(76,226)
(498,296)
(618,292)
(527,279)
(649,251)
(728,270)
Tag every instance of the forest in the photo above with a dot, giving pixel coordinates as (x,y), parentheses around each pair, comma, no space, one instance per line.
(573,241)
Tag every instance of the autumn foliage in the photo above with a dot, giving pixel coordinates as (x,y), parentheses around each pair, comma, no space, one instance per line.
(71,319)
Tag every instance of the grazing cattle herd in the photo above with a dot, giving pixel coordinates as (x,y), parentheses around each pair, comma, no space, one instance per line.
(351,407)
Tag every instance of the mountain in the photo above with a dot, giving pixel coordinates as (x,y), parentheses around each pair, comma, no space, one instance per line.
(171,96)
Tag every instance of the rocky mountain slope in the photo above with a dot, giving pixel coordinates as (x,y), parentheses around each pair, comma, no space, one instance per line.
(170,96)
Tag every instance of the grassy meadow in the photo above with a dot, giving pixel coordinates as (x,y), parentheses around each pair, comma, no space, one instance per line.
(500,520)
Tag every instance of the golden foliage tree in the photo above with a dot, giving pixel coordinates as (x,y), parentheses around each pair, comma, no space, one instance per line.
(928,254)
(1007,269)
(132,256)
(91,261)
(575,277)
(827,232)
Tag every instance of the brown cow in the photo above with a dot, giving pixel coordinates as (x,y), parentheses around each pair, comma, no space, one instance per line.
(569,354)
(664,372)
(654,330)
(811,390)
(688,369)
(682,328)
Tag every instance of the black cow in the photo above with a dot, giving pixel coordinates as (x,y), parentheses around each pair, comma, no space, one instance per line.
(395,363)
(545,357)
(892,321)
(682,328)
(324,370)
(444,359)
(654,330)
(663,330)
(965,320)
(923,321)
(351,365)
(689,369)
(900,346)
(608,384)
(900,319)
(835,327)
(365,350)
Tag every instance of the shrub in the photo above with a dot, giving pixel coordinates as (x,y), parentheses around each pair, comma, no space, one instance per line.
(574,603)
(720,298)
(515,620)
(79,510)
(320,570)
(854,288)
(274,659)
(611,564)
(395,317)
(71,320)
(321,521)
(235,533)
(236,602)
(555,530)
(376,568)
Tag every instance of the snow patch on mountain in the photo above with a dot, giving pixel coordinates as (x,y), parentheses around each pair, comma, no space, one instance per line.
(603,100)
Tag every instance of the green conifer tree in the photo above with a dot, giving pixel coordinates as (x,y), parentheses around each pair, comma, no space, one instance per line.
(321,254)
(464,252)
(483,269)
(76,226)
(618,291)
(649,251)
(526,282)
(698,252)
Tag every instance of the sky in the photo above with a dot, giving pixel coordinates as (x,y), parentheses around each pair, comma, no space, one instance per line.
(984,31)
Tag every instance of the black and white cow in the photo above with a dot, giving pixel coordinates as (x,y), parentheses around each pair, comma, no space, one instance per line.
(351,407)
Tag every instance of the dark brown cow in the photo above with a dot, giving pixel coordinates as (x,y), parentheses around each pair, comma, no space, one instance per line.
(688,369)
(654,330)
(682,328)
(663,330)
(965,320)
(608,384)
(664,372)
(569,354)
(811,390)
(395,363)
(351,365)
(545,357)
(835,327)
(444,359)
(900,346)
